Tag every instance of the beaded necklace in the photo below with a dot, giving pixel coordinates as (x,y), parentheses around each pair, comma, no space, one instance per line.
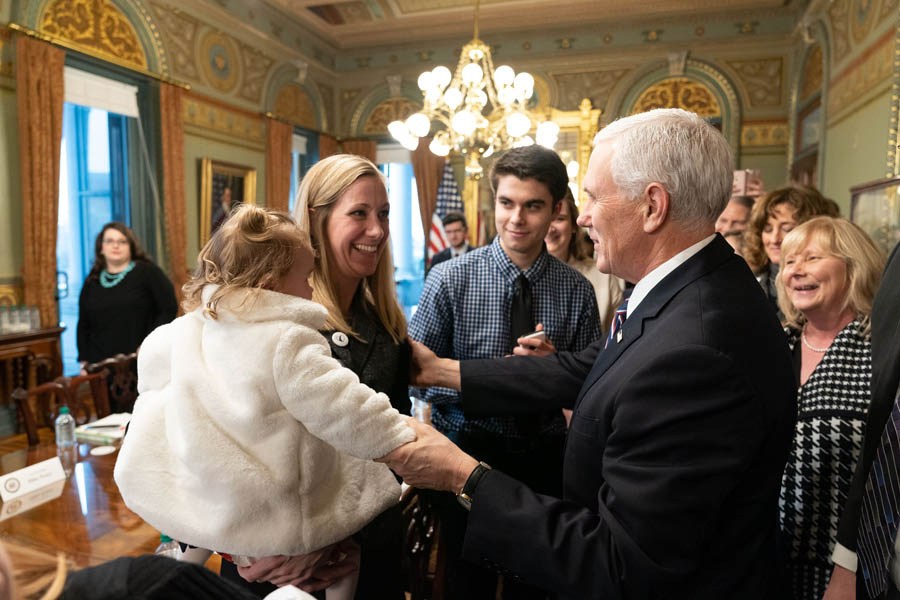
(109,280)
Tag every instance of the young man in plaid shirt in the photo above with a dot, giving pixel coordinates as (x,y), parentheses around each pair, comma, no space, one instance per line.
(467,311)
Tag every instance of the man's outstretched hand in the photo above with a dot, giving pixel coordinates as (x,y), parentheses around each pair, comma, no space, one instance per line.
(426,369)
(431,461)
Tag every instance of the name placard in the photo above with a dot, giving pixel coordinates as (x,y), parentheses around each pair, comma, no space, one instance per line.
(24,481)
(29,501)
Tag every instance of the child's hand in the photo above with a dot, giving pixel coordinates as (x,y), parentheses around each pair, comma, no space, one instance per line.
(343,561)
(292,569)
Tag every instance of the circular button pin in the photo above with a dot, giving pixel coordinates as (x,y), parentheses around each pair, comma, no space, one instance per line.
(340,338)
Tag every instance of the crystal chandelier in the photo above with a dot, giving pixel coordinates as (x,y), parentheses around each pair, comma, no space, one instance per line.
(478,109)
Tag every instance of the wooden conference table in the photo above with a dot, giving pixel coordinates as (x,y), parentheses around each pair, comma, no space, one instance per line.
(87,519)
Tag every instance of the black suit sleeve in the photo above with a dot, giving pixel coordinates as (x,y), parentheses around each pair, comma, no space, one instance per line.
(519,385)
(624,542)
(885,375)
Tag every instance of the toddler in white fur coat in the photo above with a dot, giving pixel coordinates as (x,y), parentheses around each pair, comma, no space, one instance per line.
(247,436)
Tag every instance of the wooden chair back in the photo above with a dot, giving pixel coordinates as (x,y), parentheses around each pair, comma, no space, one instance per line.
(39,406)
(122,380)
(20,367)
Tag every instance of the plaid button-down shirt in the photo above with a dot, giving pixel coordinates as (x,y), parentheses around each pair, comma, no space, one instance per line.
(464,313)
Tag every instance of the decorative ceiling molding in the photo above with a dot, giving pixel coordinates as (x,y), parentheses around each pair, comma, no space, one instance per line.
(594,85)
(359,24)
(179,32)
(762,79)
(96,25)
(679,92)
(839,18)
(811,78)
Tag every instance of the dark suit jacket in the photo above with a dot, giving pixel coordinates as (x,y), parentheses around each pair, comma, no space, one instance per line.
(885,378)
(446,254)
(379,362)
(674,455)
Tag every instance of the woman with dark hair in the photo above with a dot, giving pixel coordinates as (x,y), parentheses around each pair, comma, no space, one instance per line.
(772,218)
(563,241)
(124,297)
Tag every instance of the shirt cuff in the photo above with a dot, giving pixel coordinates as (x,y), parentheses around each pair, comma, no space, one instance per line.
(844,557)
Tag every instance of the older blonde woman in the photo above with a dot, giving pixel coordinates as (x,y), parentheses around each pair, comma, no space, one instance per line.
(343,204)
(830,270)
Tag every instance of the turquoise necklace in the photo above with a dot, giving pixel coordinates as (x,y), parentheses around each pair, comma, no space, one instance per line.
(108,280)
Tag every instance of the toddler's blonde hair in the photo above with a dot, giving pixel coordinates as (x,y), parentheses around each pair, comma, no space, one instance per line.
(254,248)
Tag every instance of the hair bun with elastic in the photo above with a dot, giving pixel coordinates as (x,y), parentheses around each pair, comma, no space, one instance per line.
(251,219)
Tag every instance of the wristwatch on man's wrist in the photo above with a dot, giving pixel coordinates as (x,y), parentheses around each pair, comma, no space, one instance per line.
(464,497)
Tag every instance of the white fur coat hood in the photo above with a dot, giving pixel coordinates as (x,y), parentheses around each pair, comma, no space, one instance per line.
(249,438)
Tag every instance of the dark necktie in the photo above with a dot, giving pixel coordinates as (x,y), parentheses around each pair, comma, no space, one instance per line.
(521,322)
(619,319)
(878,520)
(521,315)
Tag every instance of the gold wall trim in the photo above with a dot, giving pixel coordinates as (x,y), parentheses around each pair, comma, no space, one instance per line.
(893,155)
(764,134)
(215,121)
(12,292)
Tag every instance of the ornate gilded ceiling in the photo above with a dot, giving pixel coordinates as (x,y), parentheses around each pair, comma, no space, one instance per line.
(360,23)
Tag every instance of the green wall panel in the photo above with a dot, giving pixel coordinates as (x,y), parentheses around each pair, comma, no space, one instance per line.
(856,150)
(11,243)
(772,168)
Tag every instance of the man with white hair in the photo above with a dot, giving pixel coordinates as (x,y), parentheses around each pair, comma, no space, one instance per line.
(683,419)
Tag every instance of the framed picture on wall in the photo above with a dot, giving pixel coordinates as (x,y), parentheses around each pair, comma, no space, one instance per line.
(875,207)
(222,187)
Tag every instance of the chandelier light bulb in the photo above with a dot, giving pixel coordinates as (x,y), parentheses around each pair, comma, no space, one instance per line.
(524,81)
(439,148)
(418,124)
(481,98)
(453,98)
(549,128)
(572,169)
(525,141)
(398,130)
(506,95)
(426,81)
(433,94)
(517,124)
(441,76)
(463,122)
(472,73)
(410,142)
(547,134)
(504,75)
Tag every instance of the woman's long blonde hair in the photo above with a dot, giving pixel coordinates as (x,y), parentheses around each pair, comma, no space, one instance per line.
(863,259)
(320,189)
(254,249)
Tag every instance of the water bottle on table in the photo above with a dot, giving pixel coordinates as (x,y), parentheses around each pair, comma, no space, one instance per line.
(168,547)
(66,446)
(421,410)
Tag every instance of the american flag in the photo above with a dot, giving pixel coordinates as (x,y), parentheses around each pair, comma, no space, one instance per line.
(448,200)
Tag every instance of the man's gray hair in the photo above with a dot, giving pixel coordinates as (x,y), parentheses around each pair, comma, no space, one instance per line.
(679,150)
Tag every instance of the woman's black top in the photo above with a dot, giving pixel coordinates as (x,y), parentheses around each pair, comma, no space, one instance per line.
(117,319)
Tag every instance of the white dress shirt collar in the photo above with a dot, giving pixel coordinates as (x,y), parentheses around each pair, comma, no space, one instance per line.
(648,282)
